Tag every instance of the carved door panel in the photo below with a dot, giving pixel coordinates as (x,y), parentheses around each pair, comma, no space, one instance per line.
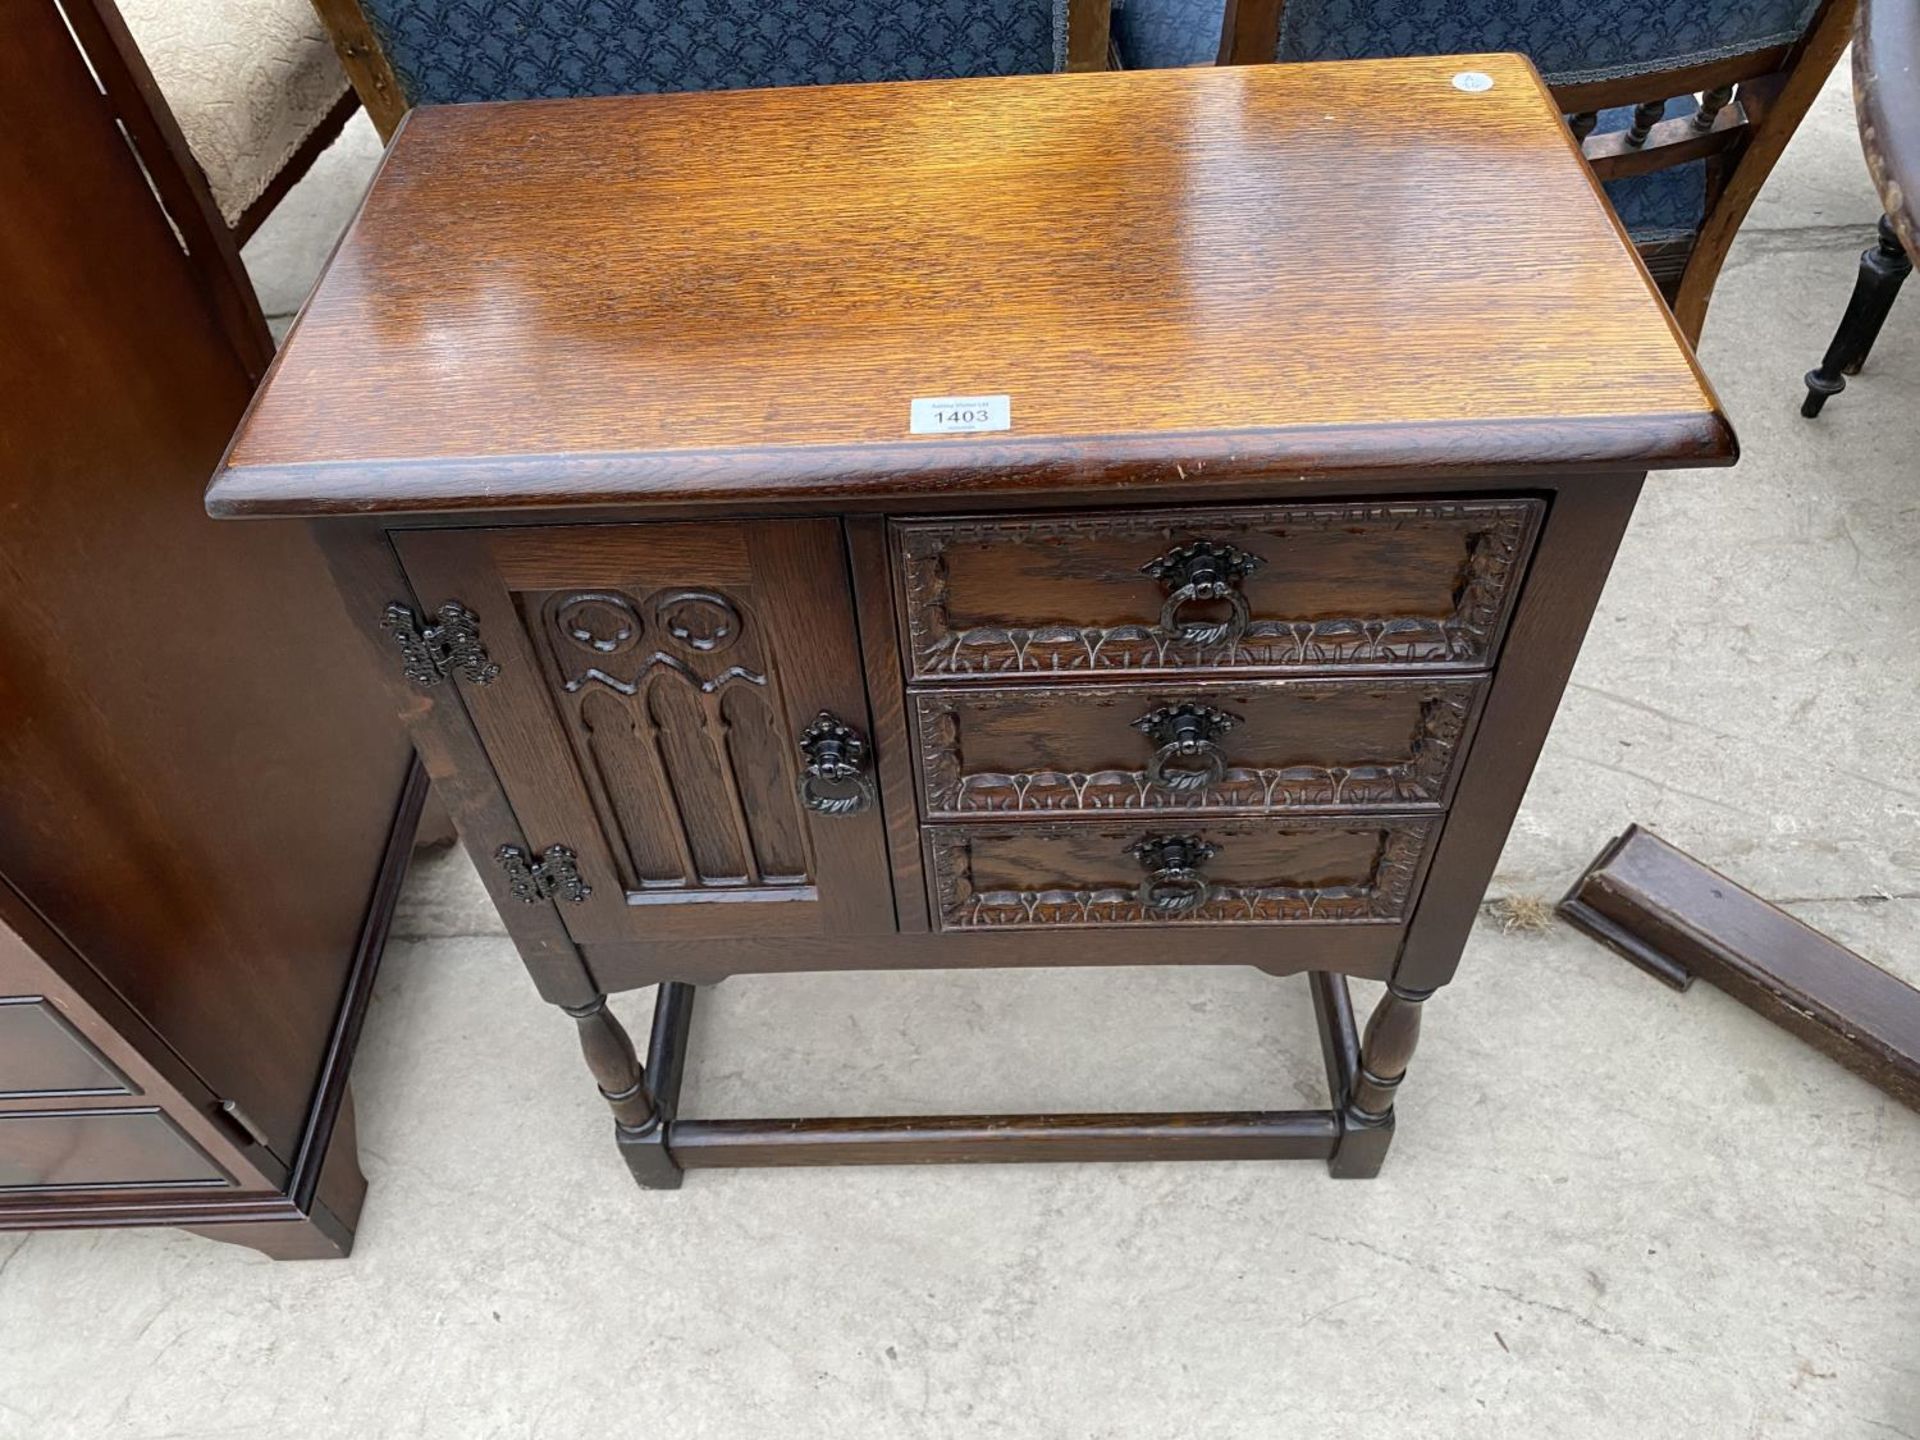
(653,713)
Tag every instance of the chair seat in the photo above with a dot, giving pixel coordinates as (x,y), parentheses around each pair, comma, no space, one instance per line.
(247,80)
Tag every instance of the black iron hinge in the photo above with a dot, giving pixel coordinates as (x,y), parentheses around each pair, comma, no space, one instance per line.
(430,653)
(554,875)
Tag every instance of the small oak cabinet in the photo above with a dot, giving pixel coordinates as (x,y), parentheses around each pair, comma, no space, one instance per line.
(1327,392)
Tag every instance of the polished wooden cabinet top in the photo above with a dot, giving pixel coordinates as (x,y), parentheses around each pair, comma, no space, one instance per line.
(1273,272)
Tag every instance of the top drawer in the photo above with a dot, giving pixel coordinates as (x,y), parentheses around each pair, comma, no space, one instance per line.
(1278,587)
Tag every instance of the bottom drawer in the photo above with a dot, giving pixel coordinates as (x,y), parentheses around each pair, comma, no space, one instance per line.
(1334,870)
(98,1149)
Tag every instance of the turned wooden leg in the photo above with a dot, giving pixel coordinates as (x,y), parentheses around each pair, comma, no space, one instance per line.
(638,1127)
(1366,1120)
(1883,268)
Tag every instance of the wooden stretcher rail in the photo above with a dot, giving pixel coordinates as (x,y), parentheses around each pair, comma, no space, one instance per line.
(996,1139)
(991,1139)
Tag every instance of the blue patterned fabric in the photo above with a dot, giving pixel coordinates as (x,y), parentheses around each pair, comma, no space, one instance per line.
(1162,34)
(1570,40)
(444,51)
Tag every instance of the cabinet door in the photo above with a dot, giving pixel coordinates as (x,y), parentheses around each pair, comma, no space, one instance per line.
(655,685)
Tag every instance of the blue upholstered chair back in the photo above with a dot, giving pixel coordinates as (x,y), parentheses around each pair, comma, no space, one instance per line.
(1571,41)
(452,50)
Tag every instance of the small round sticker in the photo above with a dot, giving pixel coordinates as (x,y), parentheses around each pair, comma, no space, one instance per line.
(1472,81)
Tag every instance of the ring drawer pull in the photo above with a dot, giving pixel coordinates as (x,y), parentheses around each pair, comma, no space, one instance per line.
(1174,884)
(835,779)
(1203,571)
(1189,757)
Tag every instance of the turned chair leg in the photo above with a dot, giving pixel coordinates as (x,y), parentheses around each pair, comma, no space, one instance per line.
(638,1125)
(1882,269)
(1366,1121)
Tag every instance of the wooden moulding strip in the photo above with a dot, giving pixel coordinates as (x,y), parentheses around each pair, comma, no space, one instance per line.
(1677,919)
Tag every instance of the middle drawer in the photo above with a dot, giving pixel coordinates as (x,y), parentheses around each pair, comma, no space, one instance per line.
(1212,747)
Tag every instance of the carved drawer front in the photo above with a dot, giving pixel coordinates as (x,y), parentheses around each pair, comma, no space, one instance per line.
(1247,747)
(98,1150)
(42,1055)
(1088,873)
(1281,587)
(651,697)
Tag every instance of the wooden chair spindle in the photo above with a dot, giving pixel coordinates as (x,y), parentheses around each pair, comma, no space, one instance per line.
(1645,117)
(1711,104)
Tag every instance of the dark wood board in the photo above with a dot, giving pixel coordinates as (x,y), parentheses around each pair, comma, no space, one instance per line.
(1680,921)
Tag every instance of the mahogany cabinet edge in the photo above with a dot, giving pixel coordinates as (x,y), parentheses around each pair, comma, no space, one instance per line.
(277,1225)
(314,1216)
(938,470)
(100,1015)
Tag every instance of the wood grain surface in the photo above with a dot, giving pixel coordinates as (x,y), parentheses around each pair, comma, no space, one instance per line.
(1334,587)
(1250,270)
(654,683)
(1677,919)
(196,778)
(1055,750)
(1075,875)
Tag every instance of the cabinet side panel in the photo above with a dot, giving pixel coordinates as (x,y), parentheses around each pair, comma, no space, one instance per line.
(196,779)
(1557,599)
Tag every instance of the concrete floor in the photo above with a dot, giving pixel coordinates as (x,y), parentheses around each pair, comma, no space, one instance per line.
(1611,1210)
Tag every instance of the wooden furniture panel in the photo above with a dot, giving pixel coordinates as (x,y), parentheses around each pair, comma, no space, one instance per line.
(581,367)
(1206,747)
(1298,587)
(96,1151)
(42,1055)
(654,685)
(1071,876)
(1161,314)
(99,1149)
(1366,952)
(1679,920)
(202,823)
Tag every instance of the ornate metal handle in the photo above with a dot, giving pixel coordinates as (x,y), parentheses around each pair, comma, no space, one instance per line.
(835,779)
(1188,757)
(1174,884)
(1203,571)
